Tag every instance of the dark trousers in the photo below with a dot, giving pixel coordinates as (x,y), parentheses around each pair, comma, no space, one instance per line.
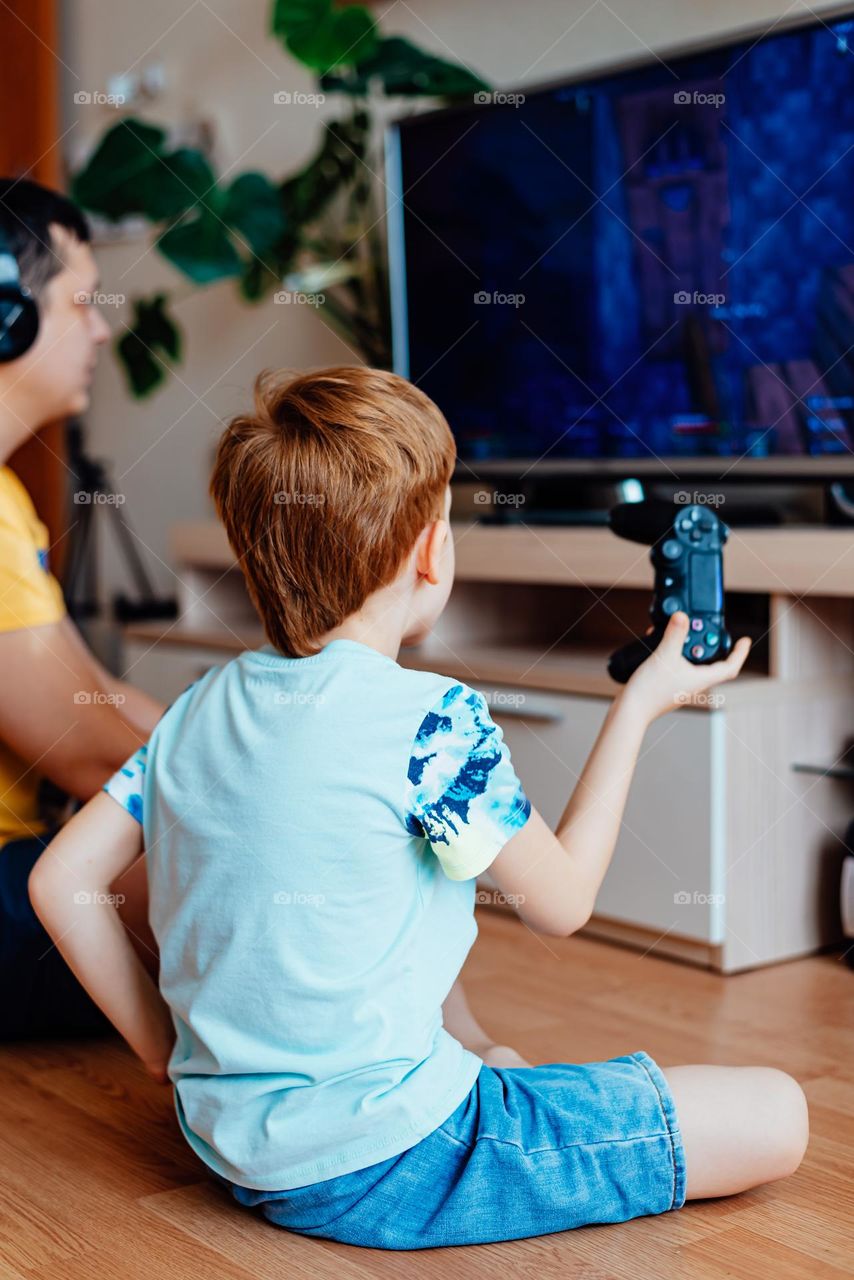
(39,995)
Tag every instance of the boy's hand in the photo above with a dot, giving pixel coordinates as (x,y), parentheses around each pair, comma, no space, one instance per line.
(501,1055)
(158,1071)
(666,679)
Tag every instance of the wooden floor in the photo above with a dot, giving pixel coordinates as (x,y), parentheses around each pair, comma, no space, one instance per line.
(97,1183)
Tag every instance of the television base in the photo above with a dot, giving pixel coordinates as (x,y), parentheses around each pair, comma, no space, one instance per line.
(579,501)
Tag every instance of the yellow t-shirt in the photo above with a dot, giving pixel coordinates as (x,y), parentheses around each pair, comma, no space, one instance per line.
(30,596)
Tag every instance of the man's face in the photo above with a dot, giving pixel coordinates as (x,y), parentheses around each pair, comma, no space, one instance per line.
(60,363)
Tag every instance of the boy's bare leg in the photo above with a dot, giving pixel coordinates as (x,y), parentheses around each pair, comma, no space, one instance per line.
(741,1126)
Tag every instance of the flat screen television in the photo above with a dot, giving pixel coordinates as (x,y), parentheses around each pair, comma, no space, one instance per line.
(648,268)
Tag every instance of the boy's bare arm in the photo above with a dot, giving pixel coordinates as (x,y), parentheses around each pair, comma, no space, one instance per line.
(556,876)
(460,1022)
(70,889)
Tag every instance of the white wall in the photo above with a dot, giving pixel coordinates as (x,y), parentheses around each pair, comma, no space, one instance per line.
(222,67)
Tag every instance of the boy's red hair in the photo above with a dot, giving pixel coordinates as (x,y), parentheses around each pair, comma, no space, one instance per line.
(323,490)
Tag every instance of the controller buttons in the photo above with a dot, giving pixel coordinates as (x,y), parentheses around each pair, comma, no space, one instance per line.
(712,639)
(671,604)
(697,651)
(671,549)
(668,581)
(696,624)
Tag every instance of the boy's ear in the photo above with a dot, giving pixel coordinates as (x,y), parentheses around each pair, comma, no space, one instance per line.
(429,551)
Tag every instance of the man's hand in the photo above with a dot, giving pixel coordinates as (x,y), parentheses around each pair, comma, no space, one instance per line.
(666,679)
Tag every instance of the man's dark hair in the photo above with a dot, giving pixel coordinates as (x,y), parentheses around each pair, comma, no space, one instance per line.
(27,211)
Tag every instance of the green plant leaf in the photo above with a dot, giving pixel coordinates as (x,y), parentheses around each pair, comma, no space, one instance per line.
(201,248)
(130,173)
(253,206)
(294,17)
(405,70)
(143,372)
(157,327)
(323,37)
(356,34)
(181,180)
(117,179)
(142,348)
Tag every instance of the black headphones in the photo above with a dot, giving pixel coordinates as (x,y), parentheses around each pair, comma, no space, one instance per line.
(19,314)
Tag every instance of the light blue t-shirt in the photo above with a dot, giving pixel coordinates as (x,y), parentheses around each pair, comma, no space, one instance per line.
(313,827)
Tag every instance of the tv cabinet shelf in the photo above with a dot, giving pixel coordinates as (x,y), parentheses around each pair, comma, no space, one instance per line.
(793,560)
(729,851)
(564,670)
(800,560)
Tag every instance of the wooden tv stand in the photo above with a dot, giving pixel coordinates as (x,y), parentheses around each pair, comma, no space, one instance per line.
(731,843)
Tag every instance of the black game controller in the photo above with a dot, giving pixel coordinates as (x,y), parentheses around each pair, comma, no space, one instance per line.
(687,555)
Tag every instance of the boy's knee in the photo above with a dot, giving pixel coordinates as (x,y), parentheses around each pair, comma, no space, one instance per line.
(785,1105)
(742,1126)
(779,1109)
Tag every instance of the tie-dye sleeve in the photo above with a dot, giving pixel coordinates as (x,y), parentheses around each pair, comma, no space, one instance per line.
(462,793)
(126,785)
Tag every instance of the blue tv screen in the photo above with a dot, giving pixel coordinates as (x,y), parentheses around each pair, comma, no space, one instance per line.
(651,264)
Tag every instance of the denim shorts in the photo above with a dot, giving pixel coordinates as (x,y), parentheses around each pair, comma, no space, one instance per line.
(531,1150)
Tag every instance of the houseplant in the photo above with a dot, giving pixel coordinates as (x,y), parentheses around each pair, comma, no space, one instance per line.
(317,230)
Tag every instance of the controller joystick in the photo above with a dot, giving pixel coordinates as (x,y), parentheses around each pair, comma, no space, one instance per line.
(687,556)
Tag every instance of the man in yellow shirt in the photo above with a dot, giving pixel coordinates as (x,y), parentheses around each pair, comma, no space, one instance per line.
(63,717)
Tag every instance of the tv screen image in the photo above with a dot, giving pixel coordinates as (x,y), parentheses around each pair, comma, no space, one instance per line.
(651,264)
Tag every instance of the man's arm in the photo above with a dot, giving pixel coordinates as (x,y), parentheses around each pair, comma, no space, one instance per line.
(136,707)
(54,713)
(70,889)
